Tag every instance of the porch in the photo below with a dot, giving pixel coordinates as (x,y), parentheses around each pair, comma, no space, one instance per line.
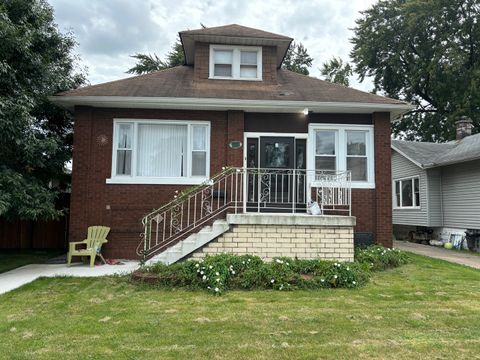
(256,200)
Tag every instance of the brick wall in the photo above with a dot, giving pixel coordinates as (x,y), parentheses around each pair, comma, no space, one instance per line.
(269,241)
(383,180)
(121,207)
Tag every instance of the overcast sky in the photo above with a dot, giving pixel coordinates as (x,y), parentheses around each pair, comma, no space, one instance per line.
(109,31)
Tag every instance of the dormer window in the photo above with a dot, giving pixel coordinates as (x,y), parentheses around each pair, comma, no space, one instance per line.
(235,62)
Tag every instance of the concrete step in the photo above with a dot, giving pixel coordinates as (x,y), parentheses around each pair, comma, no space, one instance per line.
(191,243)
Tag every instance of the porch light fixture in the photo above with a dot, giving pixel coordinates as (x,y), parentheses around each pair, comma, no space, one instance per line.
(305,111)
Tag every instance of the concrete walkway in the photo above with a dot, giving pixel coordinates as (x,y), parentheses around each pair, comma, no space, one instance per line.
(458,257)
(20,276)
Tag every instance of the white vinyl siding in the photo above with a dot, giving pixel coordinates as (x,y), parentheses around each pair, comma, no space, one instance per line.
(403,168)
(461,195)
(434,188)
(160,151)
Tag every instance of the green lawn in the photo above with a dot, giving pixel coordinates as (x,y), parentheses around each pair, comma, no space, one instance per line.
(11,259)
(424,310)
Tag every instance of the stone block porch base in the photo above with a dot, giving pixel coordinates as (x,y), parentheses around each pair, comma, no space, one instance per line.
(292,235)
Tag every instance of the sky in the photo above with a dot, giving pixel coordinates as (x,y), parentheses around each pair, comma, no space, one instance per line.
(109,31)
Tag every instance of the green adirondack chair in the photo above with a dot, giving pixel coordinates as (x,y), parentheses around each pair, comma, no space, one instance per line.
(91,246)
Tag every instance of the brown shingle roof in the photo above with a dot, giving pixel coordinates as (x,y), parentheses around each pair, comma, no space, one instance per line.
(235,30)
(179,82)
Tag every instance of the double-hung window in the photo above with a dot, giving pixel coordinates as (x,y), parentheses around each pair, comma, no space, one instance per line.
(340,148)
(407,193)
(326,149)
(357,159)
(160,152)
(235,62)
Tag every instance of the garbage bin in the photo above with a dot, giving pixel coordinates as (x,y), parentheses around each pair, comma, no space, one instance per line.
(473,239)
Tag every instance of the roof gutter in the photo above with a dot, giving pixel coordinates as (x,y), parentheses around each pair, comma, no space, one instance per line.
(286,106)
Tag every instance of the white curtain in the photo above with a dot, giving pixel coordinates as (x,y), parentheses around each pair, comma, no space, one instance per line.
(162,150)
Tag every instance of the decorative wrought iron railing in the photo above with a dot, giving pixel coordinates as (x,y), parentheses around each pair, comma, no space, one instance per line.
(240,190)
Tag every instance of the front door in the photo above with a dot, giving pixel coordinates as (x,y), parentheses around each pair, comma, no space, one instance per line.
(276,173)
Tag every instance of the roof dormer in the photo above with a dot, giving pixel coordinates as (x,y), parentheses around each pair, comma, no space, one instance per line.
(233,35)
(234,52)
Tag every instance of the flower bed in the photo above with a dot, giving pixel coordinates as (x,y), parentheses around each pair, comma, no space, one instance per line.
(222,272)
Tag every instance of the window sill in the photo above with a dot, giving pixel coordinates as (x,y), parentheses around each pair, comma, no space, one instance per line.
(232,78)
(408,208)
(157,181)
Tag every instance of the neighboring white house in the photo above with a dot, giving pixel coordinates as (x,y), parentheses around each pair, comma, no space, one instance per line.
(437,186)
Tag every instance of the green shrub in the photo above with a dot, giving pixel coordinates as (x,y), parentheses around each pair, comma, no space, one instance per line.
(378,258)
(226,271)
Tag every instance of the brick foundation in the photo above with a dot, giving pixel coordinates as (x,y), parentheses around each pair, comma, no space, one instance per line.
(269,241)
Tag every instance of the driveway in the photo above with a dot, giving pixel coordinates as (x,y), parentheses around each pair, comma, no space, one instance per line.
(20,276)
(457,257)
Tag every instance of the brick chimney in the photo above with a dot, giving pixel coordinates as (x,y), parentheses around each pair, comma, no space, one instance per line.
(464,127)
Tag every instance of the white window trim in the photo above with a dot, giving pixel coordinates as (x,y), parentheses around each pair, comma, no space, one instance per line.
(235,62)
(133,179)
(341,150)
(394,195)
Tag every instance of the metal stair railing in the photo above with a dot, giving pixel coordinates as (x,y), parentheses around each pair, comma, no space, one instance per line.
(191,209)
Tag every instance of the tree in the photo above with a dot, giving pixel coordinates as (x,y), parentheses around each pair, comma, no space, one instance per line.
(36,61)
(297,59)
(427,53)
(147,63)
(336,71)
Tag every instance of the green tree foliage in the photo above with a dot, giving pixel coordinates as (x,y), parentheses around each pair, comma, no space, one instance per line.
(147,63)
(427,53)
(336,71)
(297,59)
(36,61)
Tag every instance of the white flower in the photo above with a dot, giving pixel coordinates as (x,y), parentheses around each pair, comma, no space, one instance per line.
(217,289)
(198,271)
(272,281)
(335,276)
(204,277)
(218,280)
(279,261)
(176,191)
(287,263)
(197,265)
(348,269)
(248,260)
(210,267)
(175,197)
(233,272)
(217,273)
(243,262)
(322,280)
(354,282)
(201,273)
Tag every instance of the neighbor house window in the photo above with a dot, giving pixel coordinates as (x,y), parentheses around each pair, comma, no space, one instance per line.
(158,151)
(341,148)
(236,63)
(407,193)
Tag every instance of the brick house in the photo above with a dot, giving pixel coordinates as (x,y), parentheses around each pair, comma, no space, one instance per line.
(231,150)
